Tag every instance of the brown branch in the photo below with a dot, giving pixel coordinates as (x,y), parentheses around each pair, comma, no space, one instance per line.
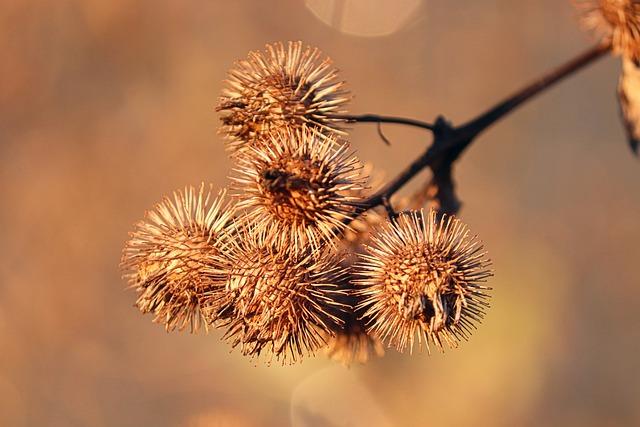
(449,141)
(374,118)
(476,126)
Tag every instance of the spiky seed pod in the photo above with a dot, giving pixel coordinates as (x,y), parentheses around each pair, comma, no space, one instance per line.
(422,277)
(361,226)
(360,230)
(349,341)
(287,85)
(282,302)
(616,20)
(299,187)
(352,344)
(173,257)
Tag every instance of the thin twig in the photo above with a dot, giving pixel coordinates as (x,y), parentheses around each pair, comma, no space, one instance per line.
(474,127)
(449,141)
(381,134)
(391,213)
(374,118)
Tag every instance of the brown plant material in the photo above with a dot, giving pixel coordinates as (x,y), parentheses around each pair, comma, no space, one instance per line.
(281,303)
(274,284)
(349,342)
(629,98)
(299,187)
(617,21)
(361,226)
(352,344)
(422,277)
(173,257)
(286,85)
(360,230)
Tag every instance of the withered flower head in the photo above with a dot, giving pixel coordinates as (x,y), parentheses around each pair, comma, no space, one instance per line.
(629,99)
(299,187)
(422,277)
(286,85)
(362,225)
(353,344)
(616,20)
(172,257)
(281,303)
(350,342)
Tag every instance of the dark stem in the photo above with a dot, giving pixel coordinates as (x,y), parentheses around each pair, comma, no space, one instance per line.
(476,126)
(374,118)
(449,141)
(391,213)
(393,186)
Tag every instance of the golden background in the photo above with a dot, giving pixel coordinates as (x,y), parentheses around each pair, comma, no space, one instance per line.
(107,105)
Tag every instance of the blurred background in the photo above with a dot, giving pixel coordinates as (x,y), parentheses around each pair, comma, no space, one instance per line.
(107,105)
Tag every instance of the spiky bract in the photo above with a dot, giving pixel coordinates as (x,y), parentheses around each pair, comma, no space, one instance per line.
(286,85)
(299,187)
(616,20)
(352,344)
(422,278)
(278,302)
(172,257)
(349,341)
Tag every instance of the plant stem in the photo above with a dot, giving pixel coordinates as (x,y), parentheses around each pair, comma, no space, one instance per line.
(449,141)
(485,120)
(374,118)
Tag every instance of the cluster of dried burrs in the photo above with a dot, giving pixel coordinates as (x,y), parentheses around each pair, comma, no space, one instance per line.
(289,260)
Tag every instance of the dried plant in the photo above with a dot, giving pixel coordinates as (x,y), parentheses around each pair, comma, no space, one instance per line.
(348,341)
(173,257)
(285,86)
(617,22)
(309,257)
(278,300)
(353,344)
(299,187)
(422,277)
(629,98)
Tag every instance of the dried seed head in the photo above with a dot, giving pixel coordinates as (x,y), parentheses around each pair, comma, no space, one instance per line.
(615,20)
(299,187)
(422,277)
(349,341)
(629,99)
(361,226)
(172,258)
(352,344)
(360,230)
(281,302)
(283,86)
